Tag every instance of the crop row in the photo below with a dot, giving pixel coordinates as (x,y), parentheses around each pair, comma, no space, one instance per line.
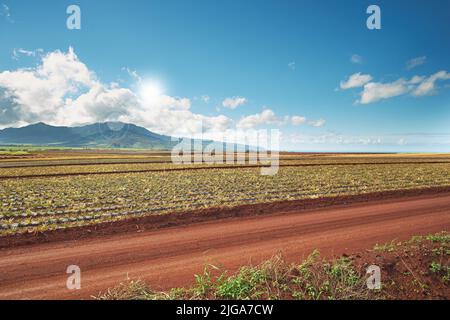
(35,209)
(49,203)
(159,203)
(42,167)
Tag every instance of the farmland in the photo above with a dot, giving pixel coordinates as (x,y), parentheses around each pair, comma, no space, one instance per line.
(44,190)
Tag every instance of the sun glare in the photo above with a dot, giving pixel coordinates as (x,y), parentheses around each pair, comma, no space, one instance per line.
(151,90)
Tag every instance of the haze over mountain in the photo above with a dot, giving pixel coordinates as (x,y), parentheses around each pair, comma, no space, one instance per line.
(98,135)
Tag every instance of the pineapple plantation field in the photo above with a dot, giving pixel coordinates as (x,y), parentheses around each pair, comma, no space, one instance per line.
(44,190)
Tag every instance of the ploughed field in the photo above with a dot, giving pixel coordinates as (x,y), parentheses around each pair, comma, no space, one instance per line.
(44,190)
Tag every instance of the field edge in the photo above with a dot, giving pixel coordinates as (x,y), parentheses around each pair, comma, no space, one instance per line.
(154,222)
(418,268)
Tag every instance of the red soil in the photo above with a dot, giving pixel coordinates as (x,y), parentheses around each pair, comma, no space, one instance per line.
(169,257)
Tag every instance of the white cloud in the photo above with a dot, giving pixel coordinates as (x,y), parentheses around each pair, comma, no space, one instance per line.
(63,91)
(268,117)
(99,103)
(264,118)
(416,80)
(39,93)
(428,85)
(416,86)
(356,80)
(234,102)
(357,59)
(317,123)
(375,91)
(297,120)
(415,62)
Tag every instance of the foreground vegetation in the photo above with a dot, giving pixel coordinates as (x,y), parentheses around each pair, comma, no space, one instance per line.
(415,269)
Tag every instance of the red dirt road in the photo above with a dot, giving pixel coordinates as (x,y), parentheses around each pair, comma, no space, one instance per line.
(170,257)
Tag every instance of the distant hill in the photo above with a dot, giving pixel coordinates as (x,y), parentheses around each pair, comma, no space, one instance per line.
(99,135)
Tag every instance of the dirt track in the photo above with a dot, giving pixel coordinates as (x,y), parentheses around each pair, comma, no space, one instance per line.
(170,257)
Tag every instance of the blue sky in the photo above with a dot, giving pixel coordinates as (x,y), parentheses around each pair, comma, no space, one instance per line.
(285,65)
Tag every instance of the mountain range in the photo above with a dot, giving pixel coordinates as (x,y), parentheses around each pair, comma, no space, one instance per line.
(98,135)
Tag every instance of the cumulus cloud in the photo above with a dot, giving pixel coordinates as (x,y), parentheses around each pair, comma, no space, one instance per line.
(415,62)
(298,120)
(268,117)
(234,102)
(376,91)
(264,118)
(428,85)
(356,80)
(416,86)
(61,90)
(39,93)
(100,103)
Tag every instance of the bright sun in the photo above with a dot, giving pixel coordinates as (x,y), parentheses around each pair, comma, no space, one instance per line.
(151,91)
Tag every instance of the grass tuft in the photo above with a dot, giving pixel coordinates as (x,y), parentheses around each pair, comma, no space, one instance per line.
(316,278)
